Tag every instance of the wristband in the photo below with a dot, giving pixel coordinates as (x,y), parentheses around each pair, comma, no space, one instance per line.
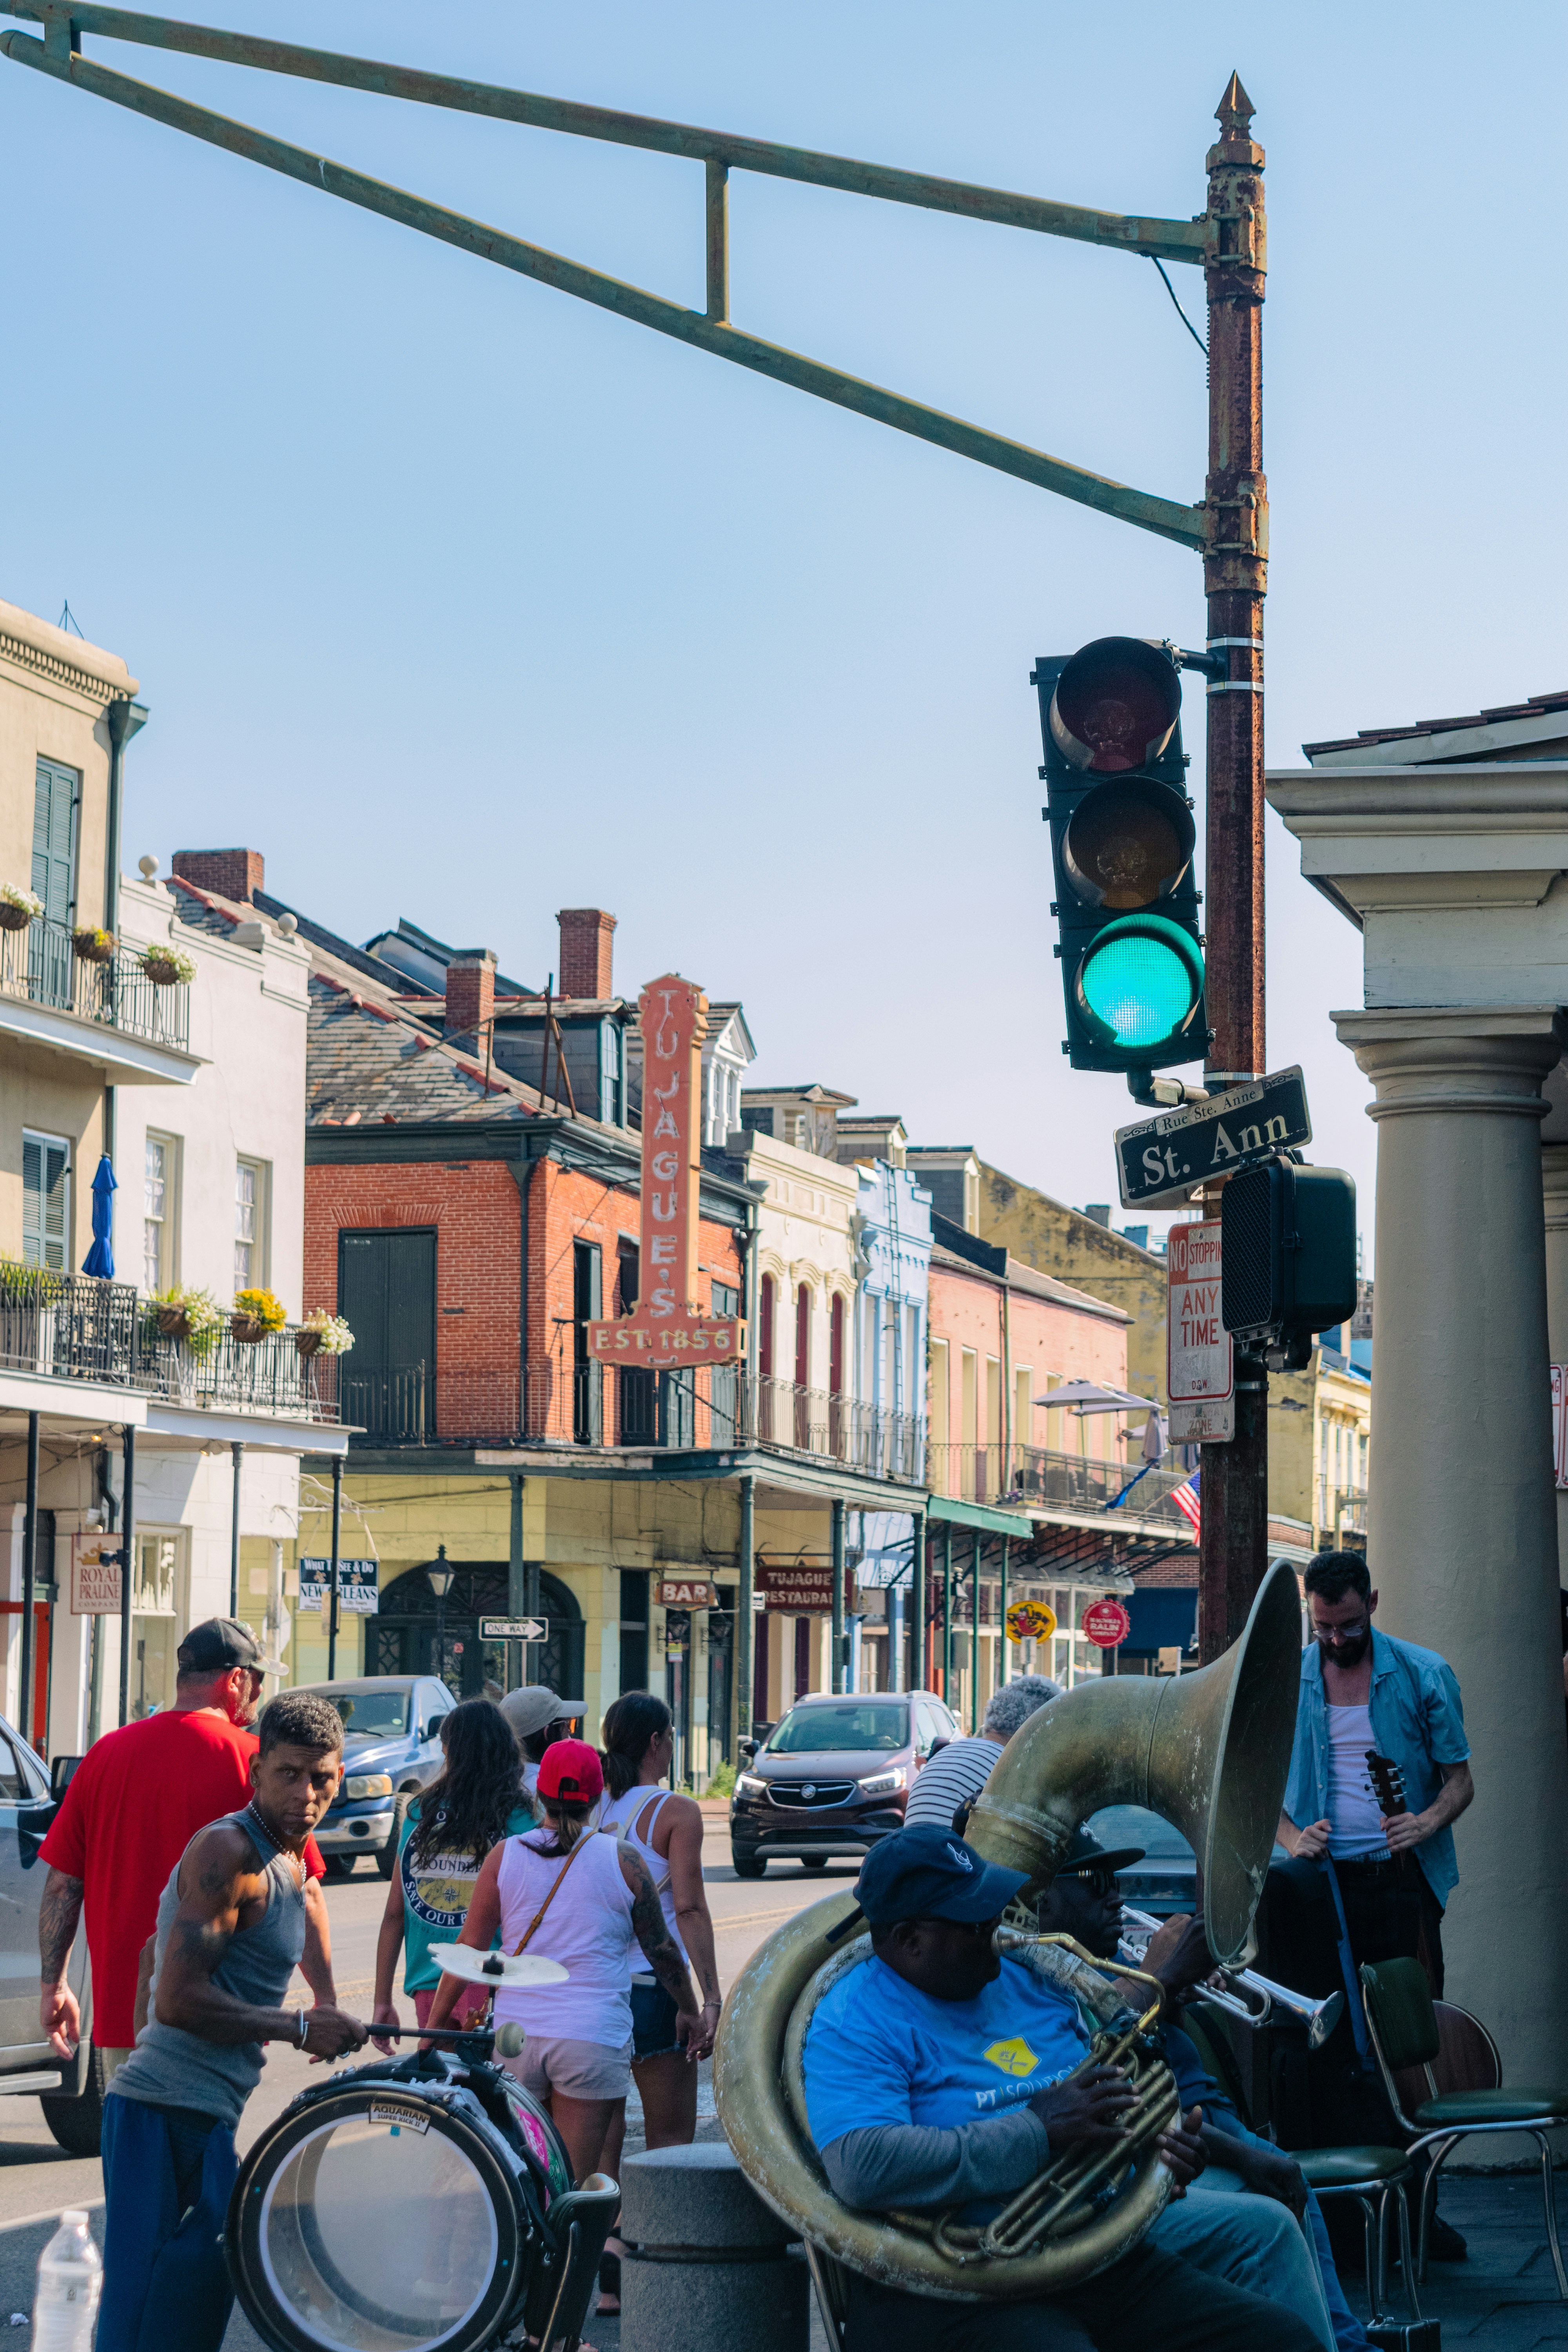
(304,2027)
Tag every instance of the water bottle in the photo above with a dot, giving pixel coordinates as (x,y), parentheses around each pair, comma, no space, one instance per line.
(70,2280)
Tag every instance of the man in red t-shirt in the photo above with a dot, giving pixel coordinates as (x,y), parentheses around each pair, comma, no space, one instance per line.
(137,1798)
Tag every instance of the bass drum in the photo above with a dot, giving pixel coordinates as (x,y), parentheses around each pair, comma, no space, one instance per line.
(398,2207)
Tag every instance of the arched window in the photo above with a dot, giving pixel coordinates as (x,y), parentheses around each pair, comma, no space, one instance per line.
(803,1337)
(765,1311)
(836,1346)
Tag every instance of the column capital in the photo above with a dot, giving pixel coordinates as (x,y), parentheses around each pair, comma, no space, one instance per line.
(1455,1058)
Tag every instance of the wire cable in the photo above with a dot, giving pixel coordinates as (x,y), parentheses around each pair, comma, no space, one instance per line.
(1180,312)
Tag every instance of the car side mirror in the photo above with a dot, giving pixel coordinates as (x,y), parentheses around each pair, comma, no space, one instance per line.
(937,1745)
(748,1748)
(62,1772)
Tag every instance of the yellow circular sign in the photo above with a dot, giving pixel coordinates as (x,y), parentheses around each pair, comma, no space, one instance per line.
(1031,1621)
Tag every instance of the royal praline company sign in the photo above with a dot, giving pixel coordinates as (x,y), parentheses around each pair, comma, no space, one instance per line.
(667,1327)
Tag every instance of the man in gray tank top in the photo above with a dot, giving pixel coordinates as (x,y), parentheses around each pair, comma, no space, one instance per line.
(230,1932)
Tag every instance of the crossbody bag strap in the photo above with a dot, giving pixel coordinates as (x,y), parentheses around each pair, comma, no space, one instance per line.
(556,1885)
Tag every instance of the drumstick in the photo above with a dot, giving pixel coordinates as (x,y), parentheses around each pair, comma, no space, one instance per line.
(506,2040)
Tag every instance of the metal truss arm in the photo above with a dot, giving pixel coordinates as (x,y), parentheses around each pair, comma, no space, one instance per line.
(1164,517)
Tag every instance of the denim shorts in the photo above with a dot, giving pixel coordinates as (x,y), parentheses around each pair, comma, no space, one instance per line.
(652,2022)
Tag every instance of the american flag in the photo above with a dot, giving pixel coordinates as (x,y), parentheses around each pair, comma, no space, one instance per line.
(1185,1498)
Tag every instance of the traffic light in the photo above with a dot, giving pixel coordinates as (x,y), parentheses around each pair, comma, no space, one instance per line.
(1288,1257)
(1122,850)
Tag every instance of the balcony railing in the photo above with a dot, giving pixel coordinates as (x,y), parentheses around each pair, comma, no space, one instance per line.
(42,965)
(72,1327)
(1342,1510)
(601,1406)
(1032,1475)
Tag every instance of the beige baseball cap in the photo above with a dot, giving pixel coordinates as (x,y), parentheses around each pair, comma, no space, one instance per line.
(535,1709)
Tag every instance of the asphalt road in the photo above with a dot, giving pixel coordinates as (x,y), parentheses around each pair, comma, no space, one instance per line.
(37,2179)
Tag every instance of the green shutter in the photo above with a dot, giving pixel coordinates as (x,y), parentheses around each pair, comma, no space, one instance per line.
(44,1169)
(57,796)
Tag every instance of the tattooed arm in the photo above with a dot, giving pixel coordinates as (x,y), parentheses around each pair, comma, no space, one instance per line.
(661,1951)
(692,1918)
(219,1885)
(60,1912)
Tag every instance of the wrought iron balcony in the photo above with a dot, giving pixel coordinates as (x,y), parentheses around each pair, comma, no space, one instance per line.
(41,964)
(75,1327)
(596,1405)
(1032,1476)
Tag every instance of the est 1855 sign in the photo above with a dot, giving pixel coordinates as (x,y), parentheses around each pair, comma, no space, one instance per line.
(1161,1158)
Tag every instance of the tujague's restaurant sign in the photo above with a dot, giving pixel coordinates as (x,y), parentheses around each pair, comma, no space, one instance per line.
(666,1327)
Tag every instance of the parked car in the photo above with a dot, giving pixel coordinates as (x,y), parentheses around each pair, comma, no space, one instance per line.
(832,1777)
(392,1749)
(70,2091)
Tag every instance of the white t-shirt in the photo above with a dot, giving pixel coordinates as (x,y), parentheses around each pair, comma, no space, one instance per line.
(1355,1817)
(961,1771)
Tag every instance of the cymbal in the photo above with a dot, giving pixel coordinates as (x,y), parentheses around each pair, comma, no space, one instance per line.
(497,1968)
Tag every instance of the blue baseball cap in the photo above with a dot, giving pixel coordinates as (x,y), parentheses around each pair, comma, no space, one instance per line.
(927,1873)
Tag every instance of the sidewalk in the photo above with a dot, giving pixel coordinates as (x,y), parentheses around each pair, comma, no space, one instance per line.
(1504,2298)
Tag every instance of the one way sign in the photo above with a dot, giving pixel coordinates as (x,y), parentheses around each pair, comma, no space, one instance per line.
(1161,1158)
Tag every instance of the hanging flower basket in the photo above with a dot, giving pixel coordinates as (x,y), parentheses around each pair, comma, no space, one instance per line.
(167,967)
(190,1315)
(174,1323)
(308,1343)
(17,907)
(323,1334)
(247,1328)
(255,1314)
(93,944)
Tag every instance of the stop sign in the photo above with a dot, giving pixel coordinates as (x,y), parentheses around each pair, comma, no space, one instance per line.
(1107,1625)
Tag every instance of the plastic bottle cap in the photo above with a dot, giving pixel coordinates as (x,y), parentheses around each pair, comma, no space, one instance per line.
(72,2214)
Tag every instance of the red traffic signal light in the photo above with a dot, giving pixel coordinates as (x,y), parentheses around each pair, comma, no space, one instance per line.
(1116,705)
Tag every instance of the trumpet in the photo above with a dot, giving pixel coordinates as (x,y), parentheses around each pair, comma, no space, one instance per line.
(1248,1996)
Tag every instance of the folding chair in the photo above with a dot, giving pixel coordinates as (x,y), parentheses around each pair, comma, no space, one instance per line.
(1403,2029)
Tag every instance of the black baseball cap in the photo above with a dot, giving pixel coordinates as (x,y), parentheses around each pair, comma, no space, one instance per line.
(218,1644)
(927,1873)
(1085,1853)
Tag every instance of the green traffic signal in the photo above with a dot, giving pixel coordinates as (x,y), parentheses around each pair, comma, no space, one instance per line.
(1123,844)
(1138,986)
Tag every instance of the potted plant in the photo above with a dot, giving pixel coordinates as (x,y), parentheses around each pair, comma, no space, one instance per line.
(93,944)
(167,967)
(191,1316)
(321,1334)
(255,1314)
(17,907)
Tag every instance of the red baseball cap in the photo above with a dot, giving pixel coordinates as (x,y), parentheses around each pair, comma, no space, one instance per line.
(570,1769)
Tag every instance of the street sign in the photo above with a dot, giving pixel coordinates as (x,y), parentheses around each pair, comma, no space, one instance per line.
(358,1580)
(1031,1621)
(511,1629)
(1161,1158)
(1200,1356)
(1108,1625)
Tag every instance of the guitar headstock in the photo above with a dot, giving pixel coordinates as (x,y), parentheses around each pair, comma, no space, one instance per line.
(1388,1782)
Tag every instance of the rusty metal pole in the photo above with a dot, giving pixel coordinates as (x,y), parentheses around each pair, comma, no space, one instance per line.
(1235,1483)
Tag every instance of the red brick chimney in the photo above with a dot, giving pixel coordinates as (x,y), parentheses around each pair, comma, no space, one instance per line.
(471,990)
(228,873)
(587,936)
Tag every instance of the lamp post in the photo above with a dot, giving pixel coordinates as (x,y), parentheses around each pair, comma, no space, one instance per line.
(440,1585)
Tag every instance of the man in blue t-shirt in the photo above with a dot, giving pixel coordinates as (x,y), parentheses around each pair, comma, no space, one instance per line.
(935,2077)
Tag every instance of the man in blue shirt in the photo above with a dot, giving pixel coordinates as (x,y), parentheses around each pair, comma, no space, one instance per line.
(935,2077)
(1363,1690)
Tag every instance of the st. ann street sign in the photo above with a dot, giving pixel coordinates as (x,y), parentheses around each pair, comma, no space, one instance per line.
(1161,1158)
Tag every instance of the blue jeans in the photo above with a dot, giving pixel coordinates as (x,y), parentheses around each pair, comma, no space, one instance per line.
(167,2174)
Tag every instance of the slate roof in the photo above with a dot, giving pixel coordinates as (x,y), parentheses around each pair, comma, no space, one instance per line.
(1536,707)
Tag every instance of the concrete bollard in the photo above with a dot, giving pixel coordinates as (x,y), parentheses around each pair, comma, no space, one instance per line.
(707,2266)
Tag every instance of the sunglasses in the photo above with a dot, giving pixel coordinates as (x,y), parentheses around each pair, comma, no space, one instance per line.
(1098,1881)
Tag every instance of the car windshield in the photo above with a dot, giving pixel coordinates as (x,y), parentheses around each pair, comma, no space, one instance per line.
(813,1730)
(371,1713)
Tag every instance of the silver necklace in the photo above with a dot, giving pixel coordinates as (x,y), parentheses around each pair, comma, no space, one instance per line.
(278,1847)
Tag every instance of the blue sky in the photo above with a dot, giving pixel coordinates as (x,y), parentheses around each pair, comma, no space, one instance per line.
(463,601)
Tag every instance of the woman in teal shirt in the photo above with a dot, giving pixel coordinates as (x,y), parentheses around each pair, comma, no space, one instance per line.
(477,1800)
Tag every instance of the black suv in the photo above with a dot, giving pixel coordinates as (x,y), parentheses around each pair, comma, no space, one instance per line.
(832,1777)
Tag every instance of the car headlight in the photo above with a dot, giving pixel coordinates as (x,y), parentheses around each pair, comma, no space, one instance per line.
(882,1784)
(368,1784)
(747,1784)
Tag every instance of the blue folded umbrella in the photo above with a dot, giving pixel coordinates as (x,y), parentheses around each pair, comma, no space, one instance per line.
(100,1258)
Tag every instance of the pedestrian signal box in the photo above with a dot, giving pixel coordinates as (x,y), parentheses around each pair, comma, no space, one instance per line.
(1287,1258)
(1122,840)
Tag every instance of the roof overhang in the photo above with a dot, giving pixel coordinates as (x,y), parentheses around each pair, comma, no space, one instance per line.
(123,1060)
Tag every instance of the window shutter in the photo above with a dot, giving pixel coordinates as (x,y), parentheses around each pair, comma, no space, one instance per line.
(44,1236)
(55,795)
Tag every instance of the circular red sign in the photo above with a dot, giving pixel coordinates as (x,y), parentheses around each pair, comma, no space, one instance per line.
(1107,1625)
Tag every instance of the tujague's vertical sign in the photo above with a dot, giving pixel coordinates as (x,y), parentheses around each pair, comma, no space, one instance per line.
(666,1327)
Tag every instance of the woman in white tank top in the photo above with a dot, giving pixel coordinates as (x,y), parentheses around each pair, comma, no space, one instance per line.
(566,1895)
(666,1833)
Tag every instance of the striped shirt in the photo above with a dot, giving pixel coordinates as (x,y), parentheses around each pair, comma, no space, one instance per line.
(959,1772)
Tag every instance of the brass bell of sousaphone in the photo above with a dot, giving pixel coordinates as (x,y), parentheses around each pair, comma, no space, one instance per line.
(1209,1752)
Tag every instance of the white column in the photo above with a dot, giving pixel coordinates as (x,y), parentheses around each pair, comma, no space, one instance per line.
(1463,1530)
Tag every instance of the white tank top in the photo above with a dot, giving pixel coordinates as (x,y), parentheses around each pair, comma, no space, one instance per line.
(588,1928)
(621,1815)
(1355,1817)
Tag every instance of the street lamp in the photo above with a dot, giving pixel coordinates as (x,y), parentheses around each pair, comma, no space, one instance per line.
(440,1585)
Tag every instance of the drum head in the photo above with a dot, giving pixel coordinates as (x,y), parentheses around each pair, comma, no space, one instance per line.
(376,2221)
